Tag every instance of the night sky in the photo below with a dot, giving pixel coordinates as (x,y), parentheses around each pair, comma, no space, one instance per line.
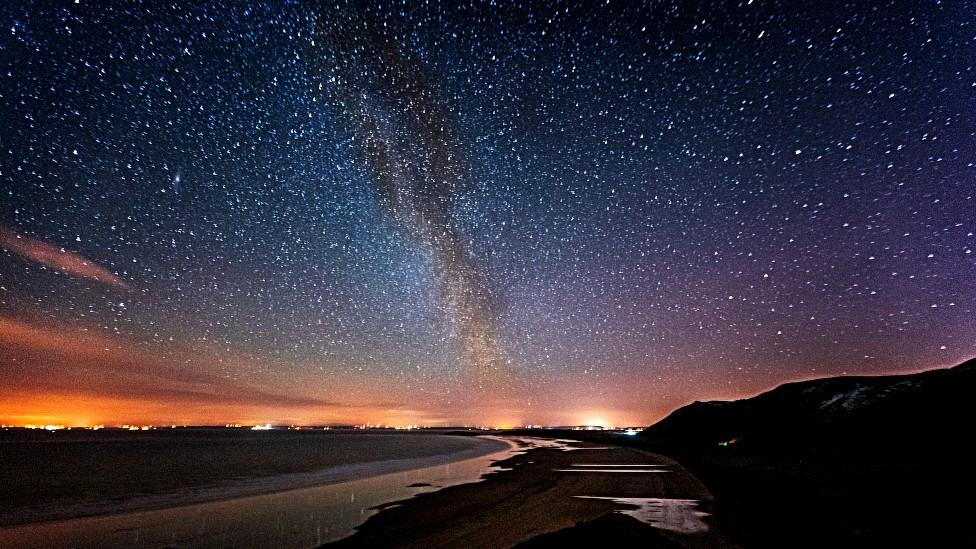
(480,214)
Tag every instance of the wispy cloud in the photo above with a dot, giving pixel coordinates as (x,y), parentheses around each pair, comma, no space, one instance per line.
(58,258)
(69,360)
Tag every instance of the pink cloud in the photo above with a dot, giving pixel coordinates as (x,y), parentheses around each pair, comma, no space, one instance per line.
(58,258)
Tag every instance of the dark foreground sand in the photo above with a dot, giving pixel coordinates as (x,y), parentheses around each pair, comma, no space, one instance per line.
(535,503)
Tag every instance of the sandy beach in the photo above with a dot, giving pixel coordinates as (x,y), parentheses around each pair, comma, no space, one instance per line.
(551,493)
(519,490)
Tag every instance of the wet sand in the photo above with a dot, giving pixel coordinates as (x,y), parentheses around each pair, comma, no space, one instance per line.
(549,495)
(539,492)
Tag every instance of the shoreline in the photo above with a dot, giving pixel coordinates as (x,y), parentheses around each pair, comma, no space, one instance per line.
(556,495)
(519,490)
(249,487)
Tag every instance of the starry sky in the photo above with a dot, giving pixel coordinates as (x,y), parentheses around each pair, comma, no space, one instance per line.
(481,213)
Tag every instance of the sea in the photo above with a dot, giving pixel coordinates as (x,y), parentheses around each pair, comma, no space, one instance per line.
(200,488)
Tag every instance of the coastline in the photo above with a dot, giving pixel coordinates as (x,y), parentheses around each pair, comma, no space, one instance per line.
(517,490)
(248,486)
(557,495)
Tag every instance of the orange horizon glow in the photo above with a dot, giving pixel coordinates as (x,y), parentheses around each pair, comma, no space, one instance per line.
(76,377)
(77,411)
(79,377)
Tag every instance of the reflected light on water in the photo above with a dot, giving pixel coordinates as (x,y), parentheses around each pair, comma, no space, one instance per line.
(675,515)
(304,517)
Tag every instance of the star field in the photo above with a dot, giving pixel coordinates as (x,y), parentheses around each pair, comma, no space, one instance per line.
(476,213)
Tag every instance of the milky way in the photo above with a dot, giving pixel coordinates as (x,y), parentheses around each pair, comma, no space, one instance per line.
(406,135)
(429,213)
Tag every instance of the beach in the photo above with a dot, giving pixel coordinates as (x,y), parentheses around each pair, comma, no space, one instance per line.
(553,493)
(479,492)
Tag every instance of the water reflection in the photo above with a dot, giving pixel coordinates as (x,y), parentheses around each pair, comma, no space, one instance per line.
(615,468)
(305,517)
(528,443)
(611,470)
(676,515)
